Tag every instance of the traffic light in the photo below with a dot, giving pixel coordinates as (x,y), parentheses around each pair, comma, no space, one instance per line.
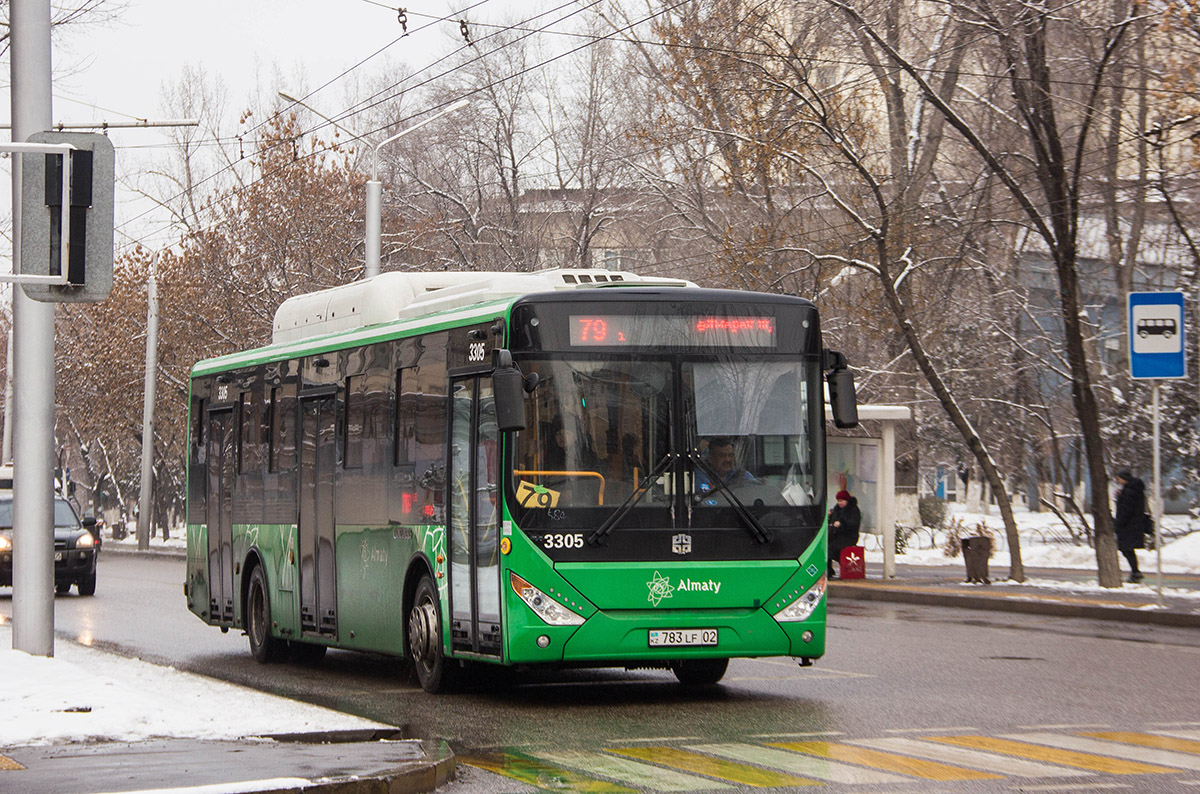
(88,217)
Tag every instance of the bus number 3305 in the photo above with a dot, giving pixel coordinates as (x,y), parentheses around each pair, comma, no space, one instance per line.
(563,540)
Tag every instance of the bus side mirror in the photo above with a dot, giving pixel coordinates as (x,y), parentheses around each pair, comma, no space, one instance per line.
(508,387)
(842,398)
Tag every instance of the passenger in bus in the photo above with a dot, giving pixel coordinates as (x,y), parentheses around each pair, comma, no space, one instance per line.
(844,522)
(722,461)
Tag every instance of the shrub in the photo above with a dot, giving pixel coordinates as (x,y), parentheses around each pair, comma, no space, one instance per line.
(933,512)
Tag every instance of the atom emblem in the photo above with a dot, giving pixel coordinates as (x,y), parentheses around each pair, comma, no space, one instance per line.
(660,588)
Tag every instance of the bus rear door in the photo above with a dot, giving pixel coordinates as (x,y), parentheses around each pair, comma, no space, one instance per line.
(222,458)
(318,455)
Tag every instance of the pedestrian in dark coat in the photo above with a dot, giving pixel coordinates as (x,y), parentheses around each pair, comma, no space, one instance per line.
(844,522)
(1130,521)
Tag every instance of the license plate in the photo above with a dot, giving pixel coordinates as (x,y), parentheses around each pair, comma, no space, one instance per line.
(675,638)
(58,556)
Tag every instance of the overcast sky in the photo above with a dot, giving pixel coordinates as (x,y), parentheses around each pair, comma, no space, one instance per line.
(116,71)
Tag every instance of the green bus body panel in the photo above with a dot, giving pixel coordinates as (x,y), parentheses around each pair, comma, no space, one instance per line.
(371,567)
(196,578)
(678,585)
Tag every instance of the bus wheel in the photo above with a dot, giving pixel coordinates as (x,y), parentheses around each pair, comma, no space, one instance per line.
(258,620)
(700,672)
(434,671)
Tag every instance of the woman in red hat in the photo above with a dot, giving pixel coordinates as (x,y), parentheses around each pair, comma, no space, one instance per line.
(844,522)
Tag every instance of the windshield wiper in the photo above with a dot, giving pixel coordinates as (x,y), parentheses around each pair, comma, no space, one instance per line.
(610,523)
(760,533)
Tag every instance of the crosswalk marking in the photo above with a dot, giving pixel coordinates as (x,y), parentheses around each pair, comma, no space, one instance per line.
(977,759)
(9,765)
(1181,733)
(1061,759)
(820,768)
(1146,755)
(1096,763)
(715,767)
(931,770)
(634,773)
(541,775)
(1150,740)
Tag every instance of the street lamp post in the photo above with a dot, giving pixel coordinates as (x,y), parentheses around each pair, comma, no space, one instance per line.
(374,209)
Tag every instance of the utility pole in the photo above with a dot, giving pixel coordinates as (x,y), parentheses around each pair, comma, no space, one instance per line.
(33,360)
(144,496)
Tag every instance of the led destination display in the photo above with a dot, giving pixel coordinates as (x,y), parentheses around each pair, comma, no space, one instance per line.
(659,330)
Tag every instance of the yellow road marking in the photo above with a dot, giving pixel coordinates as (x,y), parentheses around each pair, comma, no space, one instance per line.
(930,770)
(540,775)
(9,765)
(715,767)
(1096,763)
(1149,740)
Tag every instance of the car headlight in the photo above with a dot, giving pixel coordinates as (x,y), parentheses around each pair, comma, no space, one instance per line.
(803,607)
(5,543)
(85,541)
(543,605)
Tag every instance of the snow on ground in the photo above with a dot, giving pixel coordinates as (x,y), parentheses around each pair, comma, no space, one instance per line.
(86,695)
(1045,543)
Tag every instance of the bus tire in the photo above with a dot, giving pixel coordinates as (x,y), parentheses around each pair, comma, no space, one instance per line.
(700,672)
(263,646)
(434,671)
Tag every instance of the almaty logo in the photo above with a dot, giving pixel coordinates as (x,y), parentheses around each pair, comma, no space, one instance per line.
(660,588)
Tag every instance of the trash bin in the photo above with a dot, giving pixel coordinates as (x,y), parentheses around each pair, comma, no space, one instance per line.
(976,552)
(852,563)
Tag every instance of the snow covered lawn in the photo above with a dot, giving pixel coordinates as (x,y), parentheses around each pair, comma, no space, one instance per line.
(1039,549)
(84,695)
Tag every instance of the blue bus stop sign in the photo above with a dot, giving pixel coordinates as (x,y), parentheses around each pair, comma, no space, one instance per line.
(1156,337)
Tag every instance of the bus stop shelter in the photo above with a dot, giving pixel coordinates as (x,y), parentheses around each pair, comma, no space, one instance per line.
(865,465)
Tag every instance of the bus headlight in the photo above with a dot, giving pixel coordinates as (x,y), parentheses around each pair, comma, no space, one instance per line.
(543,605)
(803,607)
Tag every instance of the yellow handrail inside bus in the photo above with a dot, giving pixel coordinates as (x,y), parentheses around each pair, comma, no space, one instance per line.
(544,473)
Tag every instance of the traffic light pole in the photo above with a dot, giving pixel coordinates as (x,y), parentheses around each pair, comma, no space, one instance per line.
(33,364)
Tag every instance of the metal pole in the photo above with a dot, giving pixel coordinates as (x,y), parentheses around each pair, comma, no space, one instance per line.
(1156,494)
(33,361)
(148,393)
(374,239)
(887,505)
(6,448)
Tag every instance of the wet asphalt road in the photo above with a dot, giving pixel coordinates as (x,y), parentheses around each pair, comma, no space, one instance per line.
(891,671)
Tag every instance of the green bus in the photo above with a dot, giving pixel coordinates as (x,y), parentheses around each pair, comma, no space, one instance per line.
(563,468)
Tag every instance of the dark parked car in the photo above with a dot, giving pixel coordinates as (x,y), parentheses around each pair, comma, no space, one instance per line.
(75,548)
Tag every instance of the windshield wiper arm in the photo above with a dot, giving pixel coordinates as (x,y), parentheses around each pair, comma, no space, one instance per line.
(760,533)
(610,523)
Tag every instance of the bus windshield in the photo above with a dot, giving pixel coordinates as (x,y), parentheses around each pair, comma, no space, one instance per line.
(668,442)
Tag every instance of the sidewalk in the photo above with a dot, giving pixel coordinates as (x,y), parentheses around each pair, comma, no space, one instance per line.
(1063,592)
(268,765)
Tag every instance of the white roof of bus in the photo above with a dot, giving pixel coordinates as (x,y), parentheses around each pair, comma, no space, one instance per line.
(396,296)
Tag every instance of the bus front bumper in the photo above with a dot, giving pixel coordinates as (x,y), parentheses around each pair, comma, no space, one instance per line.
(624,636)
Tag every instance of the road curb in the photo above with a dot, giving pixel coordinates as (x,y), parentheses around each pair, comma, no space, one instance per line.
(1003,603)
(126,551)
(416,777)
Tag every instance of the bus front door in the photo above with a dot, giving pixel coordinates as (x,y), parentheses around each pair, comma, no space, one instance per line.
(318,451)
(474,518)
(221,460)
